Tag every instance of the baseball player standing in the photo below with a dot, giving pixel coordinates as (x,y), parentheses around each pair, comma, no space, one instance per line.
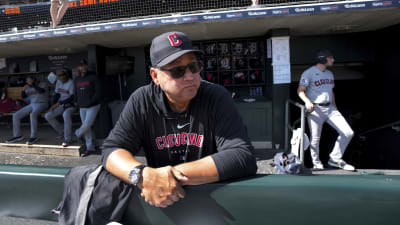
(316,90)
(87,98)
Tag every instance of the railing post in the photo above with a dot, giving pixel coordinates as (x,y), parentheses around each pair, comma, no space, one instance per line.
(302,135)
(287,127)
(302,128)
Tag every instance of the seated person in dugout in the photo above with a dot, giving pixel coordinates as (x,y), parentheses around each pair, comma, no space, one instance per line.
(38,96)
(64,105)
(189,128)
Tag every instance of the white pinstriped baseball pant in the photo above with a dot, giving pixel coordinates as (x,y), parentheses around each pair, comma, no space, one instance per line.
(65,130)
(34,109)
(334,118)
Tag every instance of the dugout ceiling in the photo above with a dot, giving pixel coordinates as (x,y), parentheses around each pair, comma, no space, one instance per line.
(300,24)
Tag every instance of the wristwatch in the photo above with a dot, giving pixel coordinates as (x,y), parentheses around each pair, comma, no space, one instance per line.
(136,174)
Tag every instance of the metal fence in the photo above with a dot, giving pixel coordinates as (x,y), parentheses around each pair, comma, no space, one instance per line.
(22,15)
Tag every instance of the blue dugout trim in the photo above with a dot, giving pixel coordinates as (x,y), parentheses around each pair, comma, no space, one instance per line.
(203,17)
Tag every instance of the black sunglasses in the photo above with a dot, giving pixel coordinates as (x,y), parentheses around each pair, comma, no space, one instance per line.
(179,71)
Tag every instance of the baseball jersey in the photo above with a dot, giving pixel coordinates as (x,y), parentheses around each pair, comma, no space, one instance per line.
(319,84)
(38,94)
(65,89)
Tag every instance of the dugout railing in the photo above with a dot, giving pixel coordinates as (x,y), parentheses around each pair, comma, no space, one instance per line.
(394,125)
(290,128)
(369,199)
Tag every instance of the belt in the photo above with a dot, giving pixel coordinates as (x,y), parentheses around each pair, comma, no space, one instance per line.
(322,104)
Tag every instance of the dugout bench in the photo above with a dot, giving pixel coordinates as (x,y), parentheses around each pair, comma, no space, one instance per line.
(14,93)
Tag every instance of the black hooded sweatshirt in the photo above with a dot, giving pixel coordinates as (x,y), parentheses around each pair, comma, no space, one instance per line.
(210,126)
(87,90)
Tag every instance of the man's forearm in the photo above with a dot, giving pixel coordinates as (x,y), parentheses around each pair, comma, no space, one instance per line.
(23,94)
(303,97)
(201,171)
(120,163)
(67,100)
(39,89)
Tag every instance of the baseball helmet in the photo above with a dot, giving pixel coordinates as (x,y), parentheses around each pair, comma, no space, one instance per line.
(322,55)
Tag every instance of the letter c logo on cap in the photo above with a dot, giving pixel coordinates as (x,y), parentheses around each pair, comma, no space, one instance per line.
(173,39)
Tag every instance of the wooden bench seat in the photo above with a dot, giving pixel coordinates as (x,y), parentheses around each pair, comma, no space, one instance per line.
(14,93)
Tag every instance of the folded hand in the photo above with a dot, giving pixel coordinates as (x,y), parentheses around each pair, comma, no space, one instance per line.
(161,187)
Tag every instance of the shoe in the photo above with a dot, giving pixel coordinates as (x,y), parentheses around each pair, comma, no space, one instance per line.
(15,139)
(96,151)
(66,143)
(318,166)
(341,164)
(87,153)
(32,140)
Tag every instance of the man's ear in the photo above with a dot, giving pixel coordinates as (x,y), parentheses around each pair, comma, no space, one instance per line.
(154,76)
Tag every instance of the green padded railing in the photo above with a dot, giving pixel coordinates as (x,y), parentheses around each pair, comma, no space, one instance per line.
(30,191)
(268,199)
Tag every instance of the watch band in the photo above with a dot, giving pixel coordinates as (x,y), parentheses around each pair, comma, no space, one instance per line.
(136,174)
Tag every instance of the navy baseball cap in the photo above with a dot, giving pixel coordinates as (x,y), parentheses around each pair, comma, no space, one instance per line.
(167,47)
(324,53)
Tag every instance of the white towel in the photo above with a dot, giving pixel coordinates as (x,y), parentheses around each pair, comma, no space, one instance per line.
(295,142)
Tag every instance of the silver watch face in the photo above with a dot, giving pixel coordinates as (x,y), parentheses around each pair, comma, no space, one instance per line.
(134,176)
